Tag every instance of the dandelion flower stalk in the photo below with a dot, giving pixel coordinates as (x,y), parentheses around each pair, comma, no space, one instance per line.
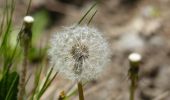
(79,53)
(80,90)
(25,37)
(134,60)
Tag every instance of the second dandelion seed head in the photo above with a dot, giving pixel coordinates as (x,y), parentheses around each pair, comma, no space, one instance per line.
(79,52)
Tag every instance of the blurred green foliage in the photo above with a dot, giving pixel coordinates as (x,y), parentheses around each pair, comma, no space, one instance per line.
(9,86)
(41,21)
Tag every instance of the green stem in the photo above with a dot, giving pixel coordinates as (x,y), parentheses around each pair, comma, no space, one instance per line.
(80,90)
(132,90)
(23,76)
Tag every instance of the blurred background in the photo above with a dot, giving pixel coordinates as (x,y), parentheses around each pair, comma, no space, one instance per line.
(141,26)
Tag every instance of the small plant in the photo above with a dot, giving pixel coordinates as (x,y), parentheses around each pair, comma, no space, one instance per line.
(25,37)
(134,60)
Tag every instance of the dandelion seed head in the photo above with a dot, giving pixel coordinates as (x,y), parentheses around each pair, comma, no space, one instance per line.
(79,52)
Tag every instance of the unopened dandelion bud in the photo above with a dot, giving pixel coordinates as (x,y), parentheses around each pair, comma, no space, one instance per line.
(79,52)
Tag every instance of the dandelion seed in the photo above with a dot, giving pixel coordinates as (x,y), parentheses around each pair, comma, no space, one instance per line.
(79,52)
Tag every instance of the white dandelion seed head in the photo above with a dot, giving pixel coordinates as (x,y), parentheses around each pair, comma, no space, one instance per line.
(79,52)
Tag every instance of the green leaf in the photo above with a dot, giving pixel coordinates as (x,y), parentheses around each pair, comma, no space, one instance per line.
(9,86)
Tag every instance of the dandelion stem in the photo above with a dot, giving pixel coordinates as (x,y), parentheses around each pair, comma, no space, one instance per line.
(134,79)
(23,76)
(80,90)
(132,90)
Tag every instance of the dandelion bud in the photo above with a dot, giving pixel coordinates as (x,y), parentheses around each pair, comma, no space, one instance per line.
(25,35)
(79,52)
(135,58)
(28,21)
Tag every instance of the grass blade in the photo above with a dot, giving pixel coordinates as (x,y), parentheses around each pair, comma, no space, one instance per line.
(92,17)
(87,13)
(37,79)
(46,83)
